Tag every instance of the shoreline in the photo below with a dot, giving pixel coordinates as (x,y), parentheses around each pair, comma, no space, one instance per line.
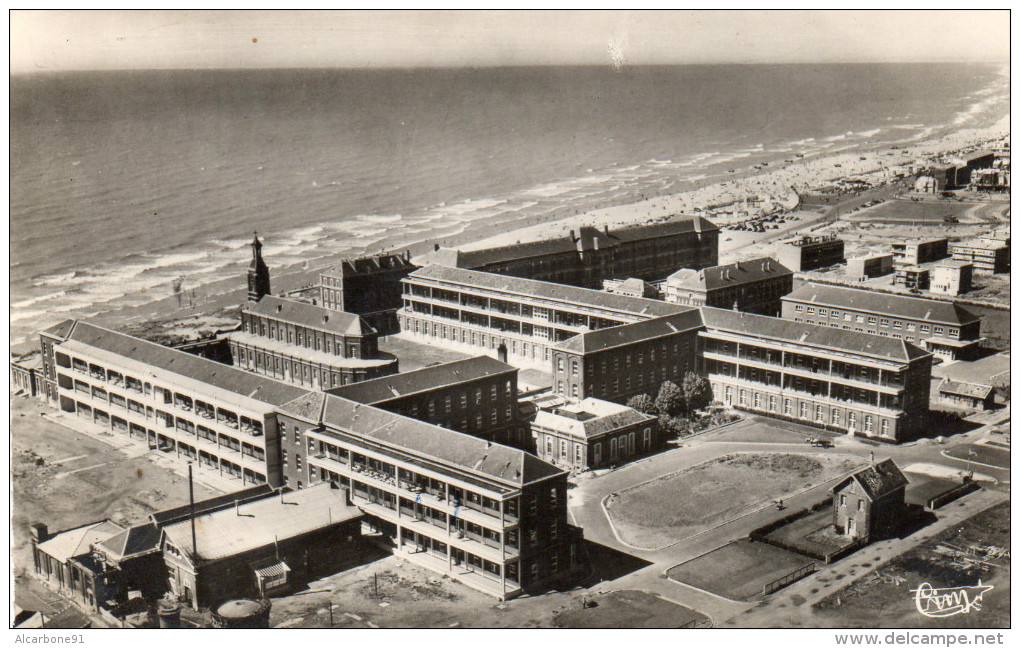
(766,176)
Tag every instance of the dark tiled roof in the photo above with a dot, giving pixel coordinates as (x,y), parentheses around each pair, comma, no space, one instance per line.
(185,364)
(877,479)
(134,540)
(62,329)
(810,334)
(624,334)
(304,314)
(916,308)
(546,290)
(369,264)
(679,225)
(965,389)
(427,441)
(529,250)
(733,274)
(439,376)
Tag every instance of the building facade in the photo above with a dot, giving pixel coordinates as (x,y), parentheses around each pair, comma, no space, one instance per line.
(839,380)
(367,286)
(579,435)
(25,376)
(811,253)
(477,396)
(945,328)
(188,407)
(988,257)
(307,345)
(590,256)
(870,504)
(913,277)
(866,267)
(755,286)
(966,395)
(912,253)
(490,516)
(482,312)
(952,278)
(618,363)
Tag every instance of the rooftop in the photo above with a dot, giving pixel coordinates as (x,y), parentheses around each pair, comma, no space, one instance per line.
(438,376)
(209,372)
(965,389)
(571,295)
(877,480)
(370,264)
(78,541)
(134,540)
(624,334)
(917,308)
(732,274)
(308,315)
(589,418)
(462,451)
(260,523)
(801,333)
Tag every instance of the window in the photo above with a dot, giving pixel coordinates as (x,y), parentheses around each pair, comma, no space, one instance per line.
(842,500)
(772,403)
(811,310)
(757,400)
(804,410)
(821,311)
(559,363)
(798,308)
(860,505)
(787,406)
(553,530)
(871,320)
(646,439)
(283,455)
(884,321)
(835,416)
(743,397)
(819,414)
(867,423)
(851,419)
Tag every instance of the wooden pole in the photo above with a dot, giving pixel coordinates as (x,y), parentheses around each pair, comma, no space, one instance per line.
(191,498)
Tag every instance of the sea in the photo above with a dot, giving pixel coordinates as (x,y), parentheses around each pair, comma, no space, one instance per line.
(131,186)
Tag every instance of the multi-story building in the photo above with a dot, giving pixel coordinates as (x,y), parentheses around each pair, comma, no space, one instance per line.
(491,516)
(25,375)
(913,277)
(477,396)
(840,380)
(987,256)
(866,267)
(912,253)
(307,345)
(811,252)
(367,286)
(952,277)
(191,408)
(945,328)
(755,286)
(590,256)
(623,361)
(581,435)
(480,311)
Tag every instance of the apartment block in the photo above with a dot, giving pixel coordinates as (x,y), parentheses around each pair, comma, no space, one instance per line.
(952,277)
(754,286)
(913,277)
(912,253)
(990,257)
(847,381)
(866,267)
(811,253)
(945,328)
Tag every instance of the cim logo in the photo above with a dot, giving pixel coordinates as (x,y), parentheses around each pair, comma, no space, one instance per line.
(949,601)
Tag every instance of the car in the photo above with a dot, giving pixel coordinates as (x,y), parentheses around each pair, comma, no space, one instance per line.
(819,443)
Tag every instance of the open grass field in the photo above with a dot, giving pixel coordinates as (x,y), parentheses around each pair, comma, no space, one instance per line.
(629,609)
(739,570)
(924,211)
(676,506)
(884,597)
(981,454)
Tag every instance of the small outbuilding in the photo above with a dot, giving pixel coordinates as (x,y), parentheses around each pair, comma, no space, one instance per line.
(870,503)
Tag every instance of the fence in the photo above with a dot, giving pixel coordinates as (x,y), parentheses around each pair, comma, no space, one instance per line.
(783,581)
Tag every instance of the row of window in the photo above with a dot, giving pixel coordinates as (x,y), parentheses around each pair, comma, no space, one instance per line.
(300,336)
(805,411)
(877,321)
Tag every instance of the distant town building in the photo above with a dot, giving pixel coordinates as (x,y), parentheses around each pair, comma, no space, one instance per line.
(631,288)
(869,504)
(936,179)
(590,256)
(258,273)
(307,345)
(952,277)
(623,361)
(967,395)
(913,277)
(810,253)
(840,380)
(989,257)
(912,253)
(490,516)
(25,375)
(585,434)
(477,396)
(945,328)
(865,267)
(480,311)
(367,286)
(754,286)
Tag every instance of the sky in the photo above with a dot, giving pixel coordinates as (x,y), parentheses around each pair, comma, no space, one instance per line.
(68,40)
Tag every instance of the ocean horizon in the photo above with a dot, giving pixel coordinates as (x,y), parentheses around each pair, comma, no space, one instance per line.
(125,185)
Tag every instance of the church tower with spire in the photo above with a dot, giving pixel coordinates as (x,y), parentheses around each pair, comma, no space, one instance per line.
(258,273)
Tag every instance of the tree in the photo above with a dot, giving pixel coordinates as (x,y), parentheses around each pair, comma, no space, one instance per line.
(670,400)
(642,403)
(697,391)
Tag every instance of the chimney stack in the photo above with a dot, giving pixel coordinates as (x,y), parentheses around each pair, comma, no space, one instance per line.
(40,532)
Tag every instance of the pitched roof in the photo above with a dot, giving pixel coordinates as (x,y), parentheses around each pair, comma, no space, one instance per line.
(438,376)
(309,315)
(970,390)
(369,264)
(877,479)
(78,542)
(428,441)
(547,290)
(678,224)
(185,364)
(133,540)
(589,418)
(784,330)
(260,523)
(732,274)
(624,334)
(916,308)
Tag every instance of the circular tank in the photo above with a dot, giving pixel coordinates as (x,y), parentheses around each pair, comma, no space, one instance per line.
(169,613)
(242,613)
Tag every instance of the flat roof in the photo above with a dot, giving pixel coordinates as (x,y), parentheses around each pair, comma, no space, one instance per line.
(917,308)
(439,376)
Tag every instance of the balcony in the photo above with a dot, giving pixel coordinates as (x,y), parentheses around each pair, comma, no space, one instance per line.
(887,387)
